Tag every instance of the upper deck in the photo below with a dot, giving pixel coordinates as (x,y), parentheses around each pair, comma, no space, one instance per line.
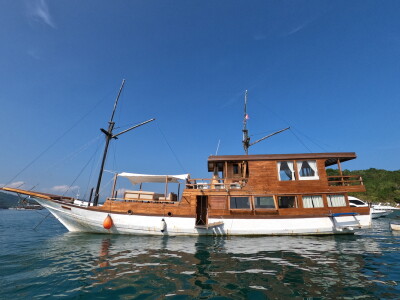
(280,173)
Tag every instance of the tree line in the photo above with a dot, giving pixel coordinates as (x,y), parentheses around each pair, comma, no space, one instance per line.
(381,185)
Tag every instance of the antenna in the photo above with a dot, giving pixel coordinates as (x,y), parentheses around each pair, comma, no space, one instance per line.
(246,138)
(216,152)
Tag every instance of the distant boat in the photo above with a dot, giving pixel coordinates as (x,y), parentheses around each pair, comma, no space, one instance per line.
(389,209)
(375,213)
(395,226)
(27,203)
(10,201)
(275,194)
(386,206)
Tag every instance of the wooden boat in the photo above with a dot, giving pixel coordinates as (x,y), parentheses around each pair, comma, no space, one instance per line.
(275,194)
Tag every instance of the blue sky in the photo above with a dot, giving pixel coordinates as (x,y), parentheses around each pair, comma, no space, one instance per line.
(328,69)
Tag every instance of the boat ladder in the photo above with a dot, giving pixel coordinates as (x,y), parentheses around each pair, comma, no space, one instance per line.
(347,227)
(211,225)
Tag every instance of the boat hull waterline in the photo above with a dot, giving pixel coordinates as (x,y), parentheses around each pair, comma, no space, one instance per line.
(81,219)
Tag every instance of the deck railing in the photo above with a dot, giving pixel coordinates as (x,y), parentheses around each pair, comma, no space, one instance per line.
(347,180)
(216,184)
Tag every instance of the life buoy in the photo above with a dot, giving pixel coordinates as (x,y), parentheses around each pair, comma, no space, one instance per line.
(108,222)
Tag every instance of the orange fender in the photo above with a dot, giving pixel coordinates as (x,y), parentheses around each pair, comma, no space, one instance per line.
(108,222)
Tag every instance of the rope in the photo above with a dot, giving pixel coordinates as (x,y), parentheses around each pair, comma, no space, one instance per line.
(54,143)
(291,127)
(301,142)
(91,171)
(314,141)
(80,173)
(176,157)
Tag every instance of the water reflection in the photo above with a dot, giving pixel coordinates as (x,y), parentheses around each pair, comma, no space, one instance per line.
(273,267)
(52,263)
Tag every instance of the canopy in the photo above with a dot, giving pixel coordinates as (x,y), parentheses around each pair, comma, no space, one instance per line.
(139,178)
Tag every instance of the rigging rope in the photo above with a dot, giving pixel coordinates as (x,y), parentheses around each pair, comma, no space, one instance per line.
(54,143)
(301,142)
(76,178)
(291,129)
(176,157)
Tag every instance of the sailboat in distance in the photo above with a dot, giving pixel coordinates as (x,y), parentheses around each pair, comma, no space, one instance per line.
(272,194)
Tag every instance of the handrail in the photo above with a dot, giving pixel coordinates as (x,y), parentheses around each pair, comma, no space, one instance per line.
(345,180)
(216,183)
(143,200)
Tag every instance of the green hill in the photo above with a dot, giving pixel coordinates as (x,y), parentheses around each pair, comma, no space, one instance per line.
(381,185)
(8,200)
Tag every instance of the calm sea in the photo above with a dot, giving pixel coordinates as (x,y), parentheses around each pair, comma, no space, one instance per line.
(50,263)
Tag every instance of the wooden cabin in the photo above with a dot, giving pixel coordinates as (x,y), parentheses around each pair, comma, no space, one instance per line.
(274,185)
(256,186)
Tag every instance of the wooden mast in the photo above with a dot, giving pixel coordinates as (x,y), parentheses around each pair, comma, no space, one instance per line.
(109,135)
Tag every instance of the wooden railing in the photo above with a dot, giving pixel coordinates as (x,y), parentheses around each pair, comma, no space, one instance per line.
(347,180)
(216,184)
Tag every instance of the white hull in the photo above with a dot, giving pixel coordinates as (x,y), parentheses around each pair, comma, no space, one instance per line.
(380,213)
(394,226)
(80,219)
(377,213)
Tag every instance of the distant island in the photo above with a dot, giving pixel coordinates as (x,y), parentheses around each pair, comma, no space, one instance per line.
(381,185)
(8,200)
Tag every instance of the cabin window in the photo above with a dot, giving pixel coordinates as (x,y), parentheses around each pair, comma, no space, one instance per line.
(285,170)
(235,169)
(240,203)
(312,201)
(264,202)
(336,200)
(287,202)
(307,170)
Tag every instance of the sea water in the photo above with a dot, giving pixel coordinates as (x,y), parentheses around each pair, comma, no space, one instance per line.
(39,259)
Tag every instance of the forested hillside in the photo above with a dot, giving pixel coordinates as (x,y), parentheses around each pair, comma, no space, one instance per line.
(381,185)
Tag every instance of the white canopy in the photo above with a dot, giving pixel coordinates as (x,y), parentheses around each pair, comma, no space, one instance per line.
(139,178)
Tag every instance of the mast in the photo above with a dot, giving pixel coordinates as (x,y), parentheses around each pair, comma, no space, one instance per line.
(109,135)
(246,139)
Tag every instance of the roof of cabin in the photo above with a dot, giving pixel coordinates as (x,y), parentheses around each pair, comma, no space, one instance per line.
(330,158)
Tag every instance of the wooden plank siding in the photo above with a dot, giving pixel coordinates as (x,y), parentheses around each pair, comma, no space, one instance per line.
(262,177)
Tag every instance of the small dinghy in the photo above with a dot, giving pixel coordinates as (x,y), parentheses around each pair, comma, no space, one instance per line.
(395,226)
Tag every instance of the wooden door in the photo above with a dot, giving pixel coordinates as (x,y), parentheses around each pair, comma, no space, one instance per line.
(201,210)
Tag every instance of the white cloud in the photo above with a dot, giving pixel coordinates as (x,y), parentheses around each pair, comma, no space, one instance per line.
(64,188)
(17,184)
(39,11)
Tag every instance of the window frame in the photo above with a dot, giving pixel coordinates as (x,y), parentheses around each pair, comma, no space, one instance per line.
(322,201)
(292,169)
(235,169)
(248,199)
(266,208)
(296,201)
(329,201)
(299,164)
